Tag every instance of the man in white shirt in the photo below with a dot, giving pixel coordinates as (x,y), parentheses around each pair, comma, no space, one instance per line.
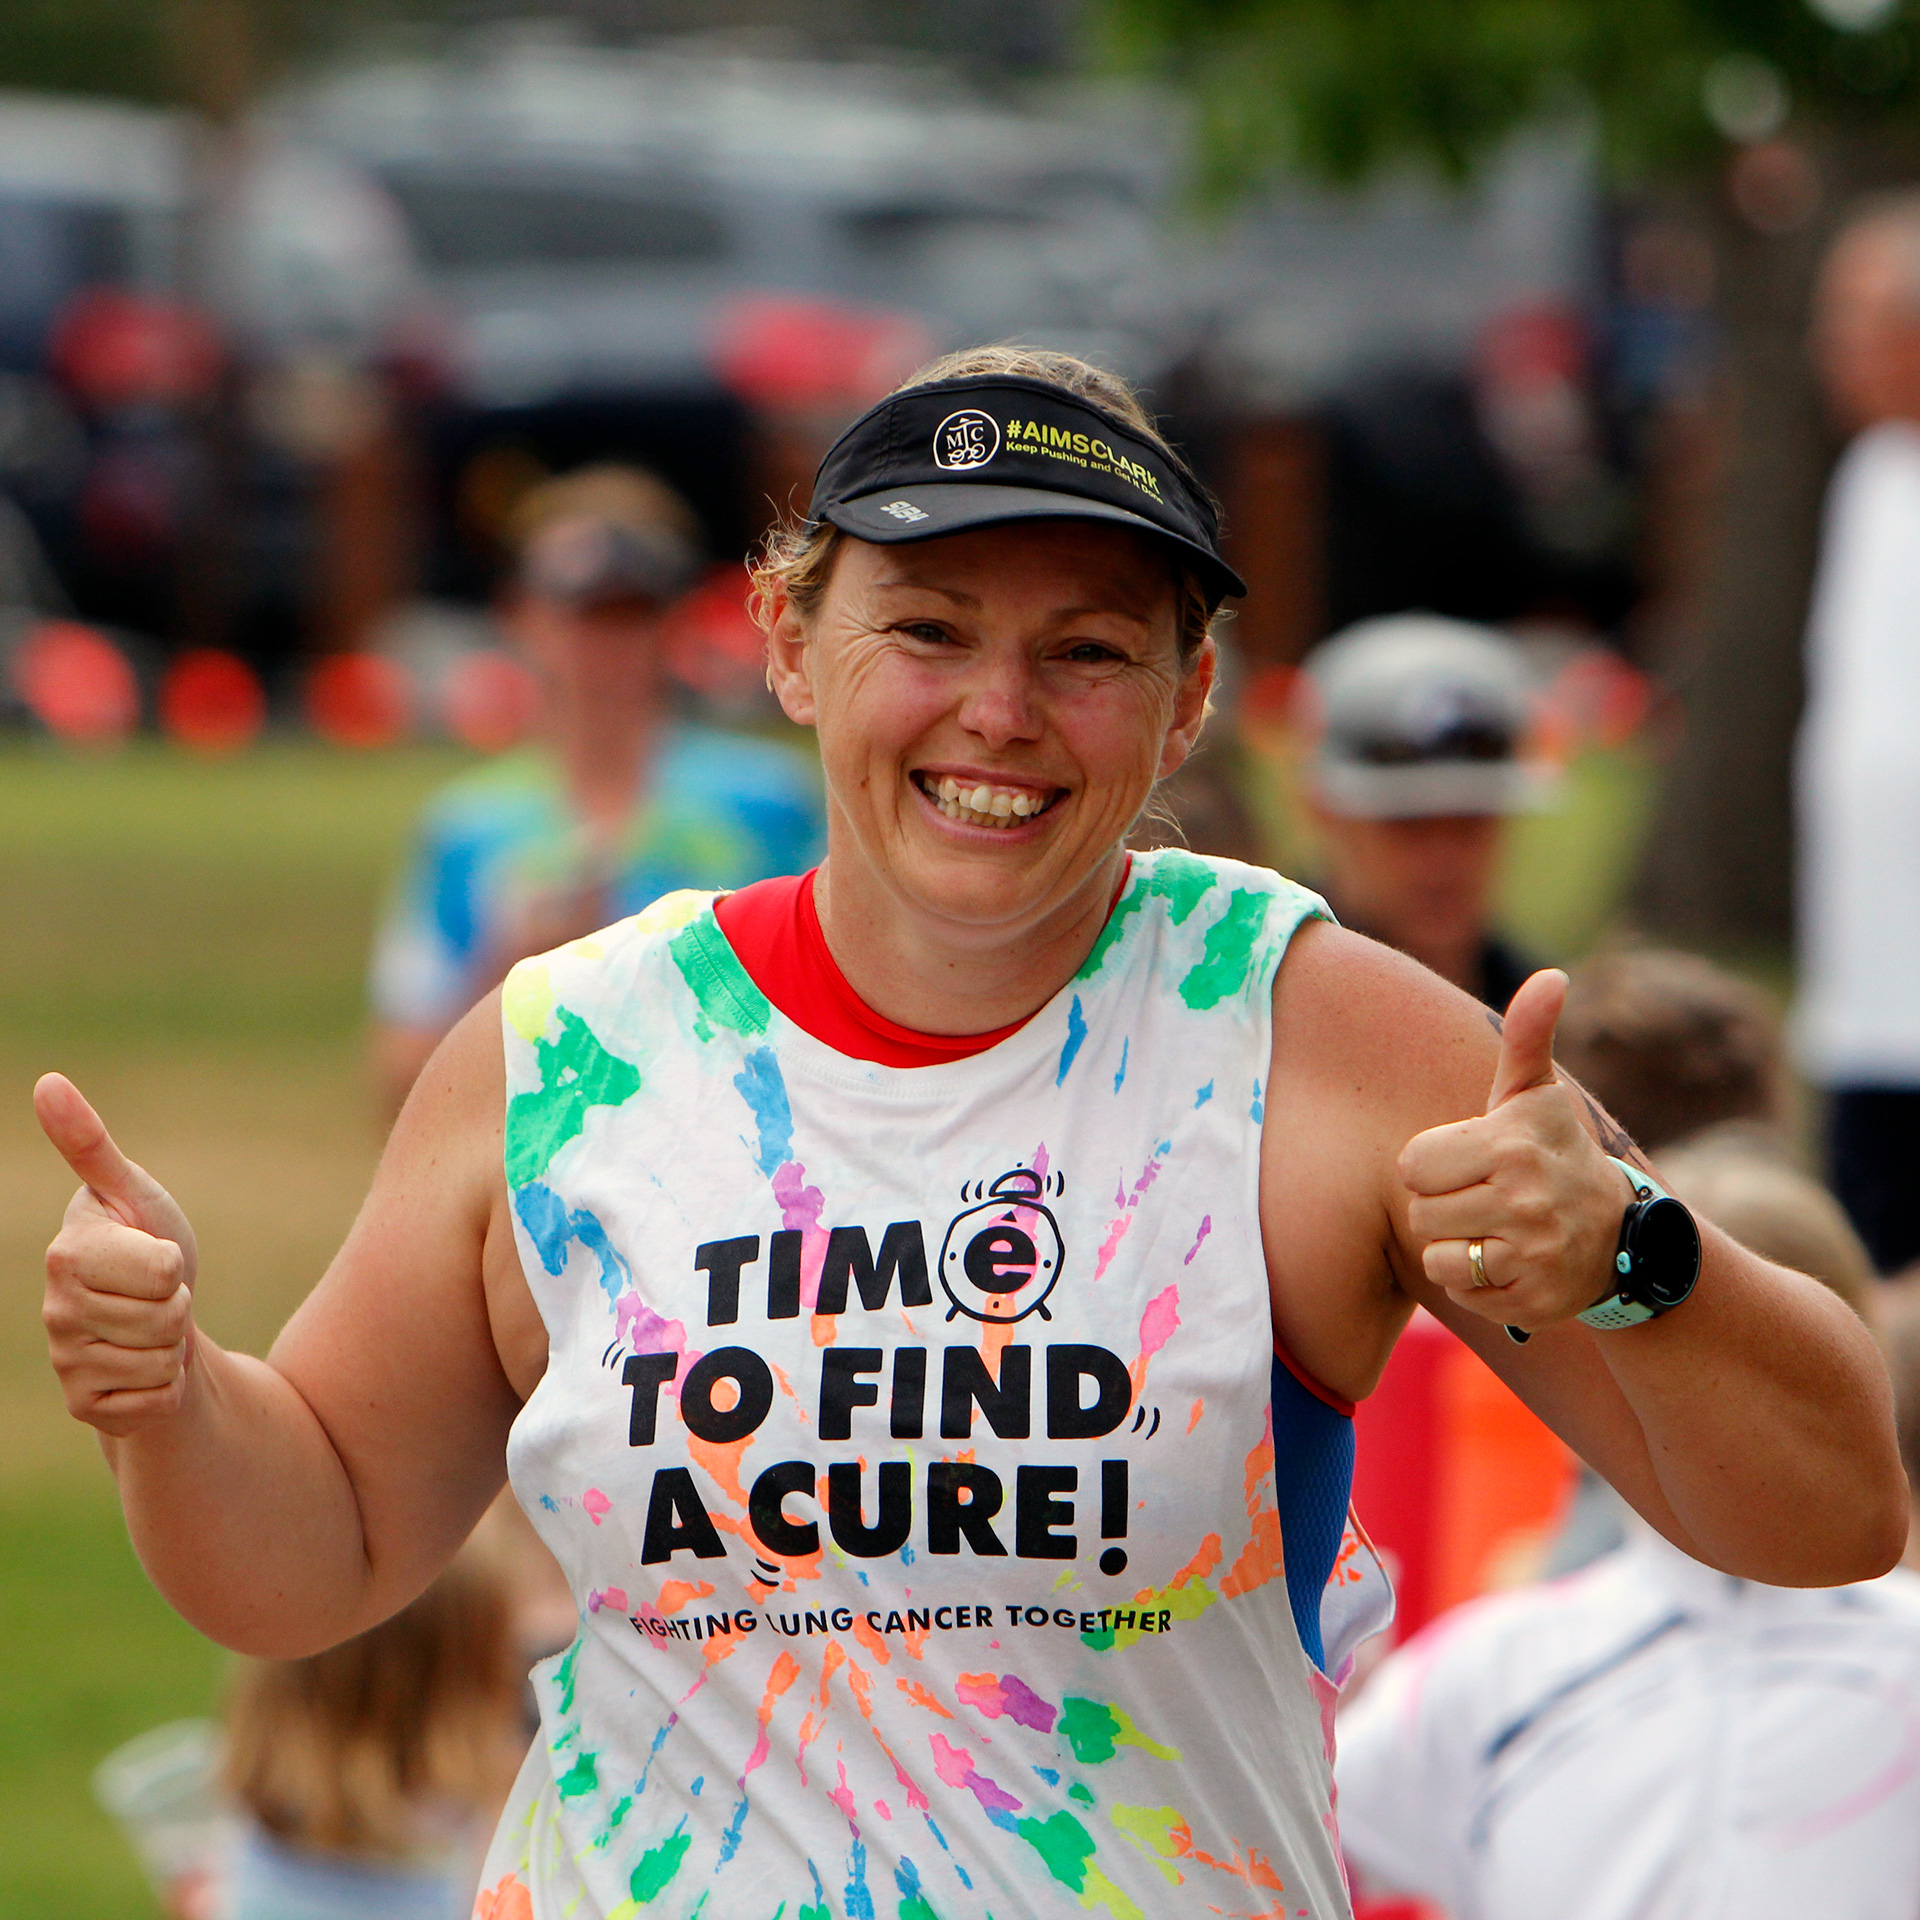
(1648,1739)
(1858,771)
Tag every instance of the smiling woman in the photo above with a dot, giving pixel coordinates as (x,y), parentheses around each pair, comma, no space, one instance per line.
(921,1302)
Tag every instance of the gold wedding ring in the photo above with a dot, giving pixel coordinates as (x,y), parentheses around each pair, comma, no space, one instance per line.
(1477,1262)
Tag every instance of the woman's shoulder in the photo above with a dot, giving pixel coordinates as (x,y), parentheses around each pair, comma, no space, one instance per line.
(606,960)
(1183,879)
(1361,1028)
(666,969)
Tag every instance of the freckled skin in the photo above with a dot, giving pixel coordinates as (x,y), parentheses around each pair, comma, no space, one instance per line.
(1043,654)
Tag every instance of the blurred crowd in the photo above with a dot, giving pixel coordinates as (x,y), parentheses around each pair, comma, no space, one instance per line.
(467,430)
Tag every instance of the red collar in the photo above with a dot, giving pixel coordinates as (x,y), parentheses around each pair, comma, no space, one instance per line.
(773,928)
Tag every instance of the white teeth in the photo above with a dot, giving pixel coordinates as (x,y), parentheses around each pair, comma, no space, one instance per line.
(983,806)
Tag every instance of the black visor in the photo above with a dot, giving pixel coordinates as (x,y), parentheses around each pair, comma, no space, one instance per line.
(992,448)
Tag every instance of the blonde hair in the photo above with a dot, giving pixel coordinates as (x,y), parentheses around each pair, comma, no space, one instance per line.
(363,1749)
(1773,1210)
(797,557)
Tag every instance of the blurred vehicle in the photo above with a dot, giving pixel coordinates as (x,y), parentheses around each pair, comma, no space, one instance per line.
(92,224)
(139,289)
(590,222)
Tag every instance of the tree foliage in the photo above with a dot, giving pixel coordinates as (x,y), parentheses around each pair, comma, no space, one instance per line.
(116,47)
(1345,86)
(156,51)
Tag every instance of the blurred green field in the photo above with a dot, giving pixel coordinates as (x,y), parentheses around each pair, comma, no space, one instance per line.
(187,939)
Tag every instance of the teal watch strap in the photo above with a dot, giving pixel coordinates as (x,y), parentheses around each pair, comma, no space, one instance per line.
(1613,1312)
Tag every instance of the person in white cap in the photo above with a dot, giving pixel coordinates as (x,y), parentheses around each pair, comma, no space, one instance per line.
(1423,724)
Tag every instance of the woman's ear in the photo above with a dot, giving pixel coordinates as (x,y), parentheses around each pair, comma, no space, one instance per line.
(1191,703)
(788,660)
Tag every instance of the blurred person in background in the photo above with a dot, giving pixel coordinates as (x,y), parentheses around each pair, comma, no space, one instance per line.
(1422,723)
(1649,1739)
(1203,805)
(1858,774)
(615,802)
(368,1777)
(1673,1047)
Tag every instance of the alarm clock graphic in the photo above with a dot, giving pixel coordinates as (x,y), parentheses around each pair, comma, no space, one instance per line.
(1002,1256)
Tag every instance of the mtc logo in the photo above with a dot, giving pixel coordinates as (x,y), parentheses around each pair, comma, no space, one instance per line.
(965,439)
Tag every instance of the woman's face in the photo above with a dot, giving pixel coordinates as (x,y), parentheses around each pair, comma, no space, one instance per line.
(993,710)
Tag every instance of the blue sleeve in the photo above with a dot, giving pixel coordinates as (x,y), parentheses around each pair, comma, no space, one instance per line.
(783,813)
(423,948)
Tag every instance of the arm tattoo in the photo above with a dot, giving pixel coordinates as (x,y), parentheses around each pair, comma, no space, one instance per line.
(1613,1137)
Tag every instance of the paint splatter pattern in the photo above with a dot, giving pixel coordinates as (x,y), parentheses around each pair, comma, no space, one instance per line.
(907,1439)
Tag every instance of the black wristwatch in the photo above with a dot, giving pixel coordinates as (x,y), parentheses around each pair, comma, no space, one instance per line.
(1656,1260)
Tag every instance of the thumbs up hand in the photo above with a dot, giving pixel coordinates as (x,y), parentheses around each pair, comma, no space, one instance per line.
(1525,1182)
(119,1301)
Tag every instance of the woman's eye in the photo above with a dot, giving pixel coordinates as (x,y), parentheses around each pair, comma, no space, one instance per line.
(923,630)
(1090,653)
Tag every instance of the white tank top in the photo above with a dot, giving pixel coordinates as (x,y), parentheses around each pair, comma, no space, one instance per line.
(909,1438)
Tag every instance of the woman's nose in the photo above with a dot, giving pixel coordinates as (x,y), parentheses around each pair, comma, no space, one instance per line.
(1001,704)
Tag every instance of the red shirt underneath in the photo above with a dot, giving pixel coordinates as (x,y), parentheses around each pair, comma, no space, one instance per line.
(774,931)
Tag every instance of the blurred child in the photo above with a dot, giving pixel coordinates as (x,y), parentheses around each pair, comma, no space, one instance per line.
(1671,1045)
(1650,1738)
(368,1778)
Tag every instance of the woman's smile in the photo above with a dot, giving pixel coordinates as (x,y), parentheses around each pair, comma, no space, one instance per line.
(1000,805)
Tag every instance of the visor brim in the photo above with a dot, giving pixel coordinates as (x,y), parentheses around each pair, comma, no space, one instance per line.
(963,506)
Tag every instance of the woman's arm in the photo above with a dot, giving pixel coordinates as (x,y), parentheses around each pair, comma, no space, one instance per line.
(1752,1425)
(284,1504)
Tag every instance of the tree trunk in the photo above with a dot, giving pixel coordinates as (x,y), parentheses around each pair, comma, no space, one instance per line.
(1719,869)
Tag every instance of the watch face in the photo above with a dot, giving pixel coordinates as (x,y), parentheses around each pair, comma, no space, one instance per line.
(1665,1245)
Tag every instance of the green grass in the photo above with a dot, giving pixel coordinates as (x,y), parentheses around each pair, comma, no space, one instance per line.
(187,938)
(155,897)
(92,1656)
